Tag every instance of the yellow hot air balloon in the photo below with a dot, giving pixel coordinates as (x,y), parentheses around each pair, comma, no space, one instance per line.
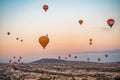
(80,22)
(44,40)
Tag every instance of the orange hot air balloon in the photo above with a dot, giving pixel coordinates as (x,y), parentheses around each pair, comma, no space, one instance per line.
(80,22)
(45,7)
(110,22)
(44,40)
(90,39)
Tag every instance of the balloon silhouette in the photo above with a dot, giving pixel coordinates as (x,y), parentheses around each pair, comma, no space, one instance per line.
(106,55)
(75,57)
(45,7)
(59,57)
(80,22)
(8,33)
(44,40)
(90,39)
(69,55)
(17,38)
(110,22)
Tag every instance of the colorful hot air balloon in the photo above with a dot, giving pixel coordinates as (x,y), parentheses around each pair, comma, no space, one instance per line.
(44,40)
(106,55)
(110,22)
(45,7)
(80,22)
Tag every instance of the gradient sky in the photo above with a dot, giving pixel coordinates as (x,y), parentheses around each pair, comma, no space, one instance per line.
(27,20)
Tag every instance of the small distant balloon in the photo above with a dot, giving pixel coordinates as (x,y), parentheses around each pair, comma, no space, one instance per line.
(21,40)
(59,57)
(14,57)
(69,55)
(90,43)
(44,40)
(110,22)
(65,57)
(8,33)
(17,38)
(88,59)
(45,7)
(80,22)
(10,61)
(99,59)
(75,57)
(106,55)
(90,39)
(20,57)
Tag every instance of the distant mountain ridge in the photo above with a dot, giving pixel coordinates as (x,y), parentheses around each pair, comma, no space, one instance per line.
(49,60)
(46,60)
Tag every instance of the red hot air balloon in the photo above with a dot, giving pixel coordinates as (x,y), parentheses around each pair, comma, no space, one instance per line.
(45,7)
(110,22)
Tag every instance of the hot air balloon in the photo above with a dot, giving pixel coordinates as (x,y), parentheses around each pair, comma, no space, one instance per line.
(8,33)
(14,57)
(90,39)
(106,55)
(90,43)
(110,22)
(21,40)
(80,22)
(99,59)
(69,55)
(75,57)
(44,40)
(65,57)
(10,61)
(88,59)
(20,57)
(17,38)
(18,60)
(45,7)
(59,57)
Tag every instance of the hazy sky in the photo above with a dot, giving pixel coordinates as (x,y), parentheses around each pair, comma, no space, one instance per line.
(27,20)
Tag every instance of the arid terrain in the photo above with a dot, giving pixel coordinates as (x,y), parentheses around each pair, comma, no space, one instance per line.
(56,69)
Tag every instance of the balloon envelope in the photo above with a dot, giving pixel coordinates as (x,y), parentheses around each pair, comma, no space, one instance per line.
(44,40)
(110,22)
(106,55)
(69,55)
(80,22)
(45,7)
